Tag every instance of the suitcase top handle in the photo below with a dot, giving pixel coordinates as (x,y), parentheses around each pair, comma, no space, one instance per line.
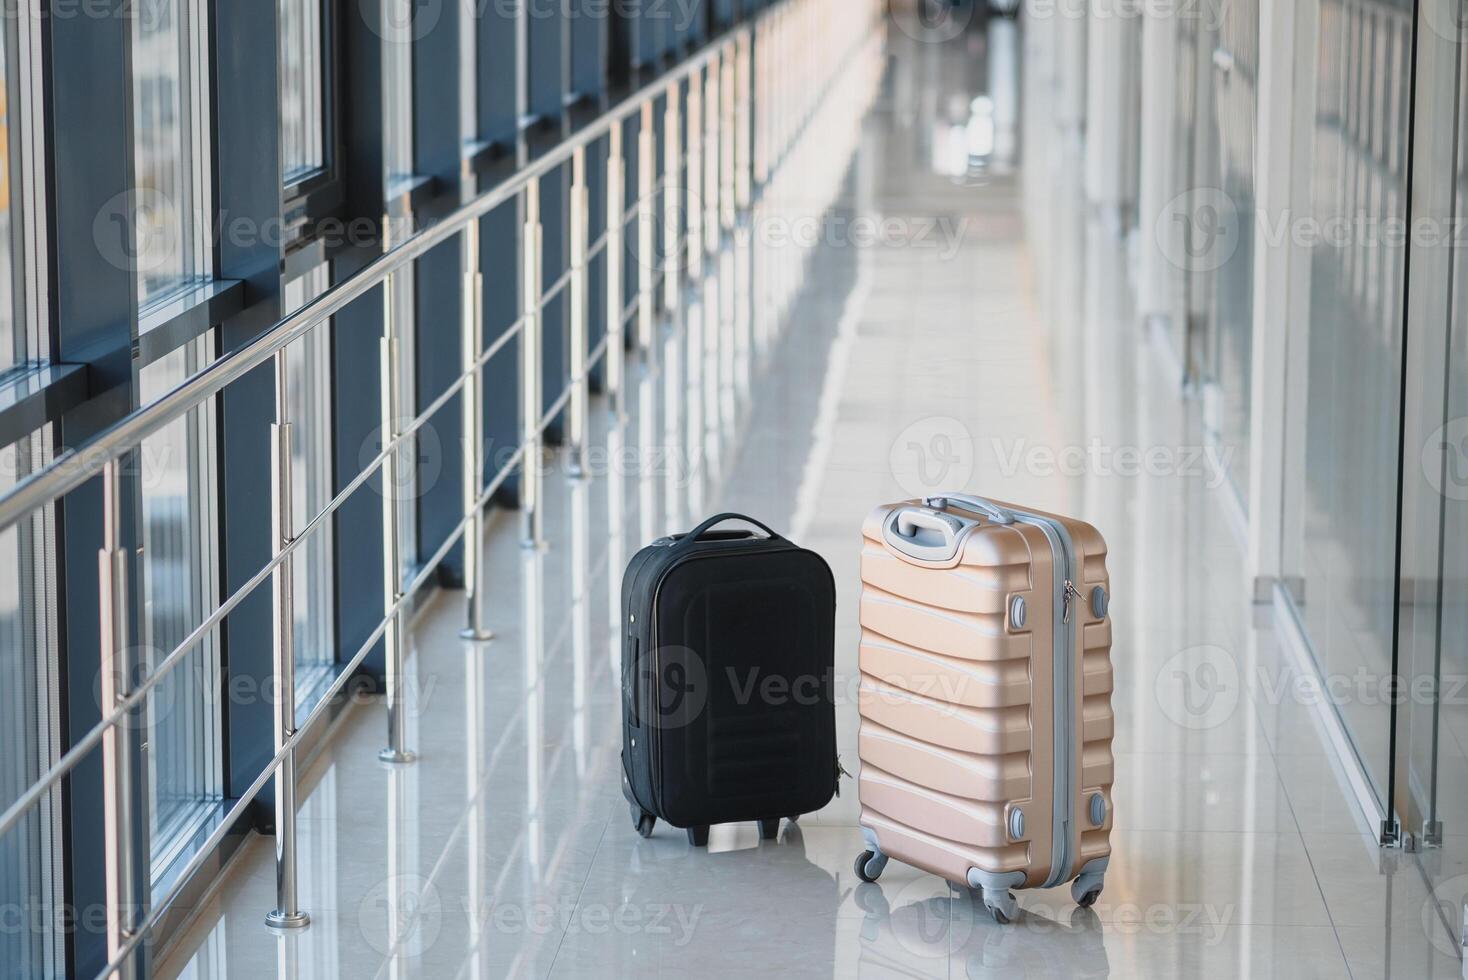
(929,533)
(978,505)
(718,519)
(924,534)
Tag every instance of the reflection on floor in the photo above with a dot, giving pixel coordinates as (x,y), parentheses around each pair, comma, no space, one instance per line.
(951,349)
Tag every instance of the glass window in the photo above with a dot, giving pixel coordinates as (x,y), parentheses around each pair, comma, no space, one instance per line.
(1342,431)
(1430,791)
(397,89)
(30,869)
(308,365)
(170,146)
(22,250)
(1227,361)
(302,89)
(177,471)
(12,341)
(468,70)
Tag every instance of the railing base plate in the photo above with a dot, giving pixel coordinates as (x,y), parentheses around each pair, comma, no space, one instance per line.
(277,919)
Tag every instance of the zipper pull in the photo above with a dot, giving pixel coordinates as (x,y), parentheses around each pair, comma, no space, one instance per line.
(1071,592)
(840,771)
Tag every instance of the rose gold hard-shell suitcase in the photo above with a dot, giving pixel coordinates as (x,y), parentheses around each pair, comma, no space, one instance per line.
(985,697)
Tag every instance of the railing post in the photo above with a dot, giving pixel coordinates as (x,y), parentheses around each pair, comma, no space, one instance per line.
(532,405)
(744,136)
(646,240)
(729,138)
(116,679)
(473,422)
(580,306)
(673,189)
(694,180)
(616,254)
(713,115)
(761,102)
(394,637)
(780,90)
(287,913)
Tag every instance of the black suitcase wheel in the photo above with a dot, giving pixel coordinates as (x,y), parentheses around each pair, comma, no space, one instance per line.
(643,821)
(861,866)
(698,836)
(769,829)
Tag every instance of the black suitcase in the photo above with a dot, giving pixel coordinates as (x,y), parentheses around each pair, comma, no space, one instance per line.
(727,692)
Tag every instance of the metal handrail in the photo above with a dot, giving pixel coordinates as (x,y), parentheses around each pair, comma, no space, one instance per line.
(16,812)
(76,466)
(80,749)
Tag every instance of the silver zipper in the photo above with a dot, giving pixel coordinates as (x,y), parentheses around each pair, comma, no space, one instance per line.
(1063,653)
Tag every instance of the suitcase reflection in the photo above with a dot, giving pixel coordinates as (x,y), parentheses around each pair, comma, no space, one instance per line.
(915,933)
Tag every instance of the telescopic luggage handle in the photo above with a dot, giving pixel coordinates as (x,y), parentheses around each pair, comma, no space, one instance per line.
(928,533)
(978,505)
(718,519)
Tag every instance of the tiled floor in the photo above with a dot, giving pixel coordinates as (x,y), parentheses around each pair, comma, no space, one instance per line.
(507,850)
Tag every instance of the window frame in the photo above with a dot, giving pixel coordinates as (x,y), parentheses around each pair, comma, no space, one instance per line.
(26,179)
(316,195)
(197,250)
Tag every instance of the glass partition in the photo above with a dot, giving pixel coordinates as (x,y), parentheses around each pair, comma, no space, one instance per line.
(1229,343)
(30,728)
(1430,788)
(180,588)
(1343,403)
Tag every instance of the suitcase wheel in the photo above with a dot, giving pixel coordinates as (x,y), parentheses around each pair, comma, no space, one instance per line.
(1086,889)
(769,829)
(869,865)
(643,821)
(1001,905)
(698,836)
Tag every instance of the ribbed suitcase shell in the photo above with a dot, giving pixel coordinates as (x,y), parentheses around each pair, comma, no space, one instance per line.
(957,702)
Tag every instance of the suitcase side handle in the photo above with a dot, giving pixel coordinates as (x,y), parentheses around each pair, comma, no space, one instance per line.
(978,505)
(924,534)
(718,519)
